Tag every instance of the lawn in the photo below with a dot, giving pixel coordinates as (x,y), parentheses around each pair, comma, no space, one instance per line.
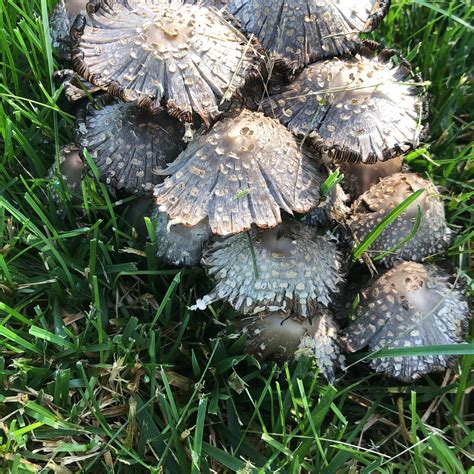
(104,369)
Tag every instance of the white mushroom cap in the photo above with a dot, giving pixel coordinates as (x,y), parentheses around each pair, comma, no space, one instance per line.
(144,51)
(242,172)
(299,32)
(433,235)
(363,108)
(290,268)
(281,337)
(410,305)
(129,145)
(179,245)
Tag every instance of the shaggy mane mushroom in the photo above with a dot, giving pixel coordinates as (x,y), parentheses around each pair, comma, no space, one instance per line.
(147,51)
(359,109)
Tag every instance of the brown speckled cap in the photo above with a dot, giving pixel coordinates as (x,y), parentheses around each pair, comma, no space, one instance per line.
(364,108)
(179,245)
(281,337)
(411,305)
(290,268)
(129,145)
(242,172)
(149,51)
(433,235)
(360,177)
(299,32)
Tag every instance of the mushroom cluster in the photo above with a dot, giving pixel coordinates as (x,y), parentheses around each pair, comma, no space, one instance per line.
(235,119)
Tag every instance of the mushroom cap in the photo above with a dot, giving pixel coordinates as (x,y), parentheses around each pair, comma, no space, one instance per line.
(411,305)
(364,108)
(128,144)
(281,337)
(332,209)
(290,268)
(149,50)
(360,177)
(299,32)
(240,173)
(60,22)
(71,168)
(179,245)
(75,87)
(433,235)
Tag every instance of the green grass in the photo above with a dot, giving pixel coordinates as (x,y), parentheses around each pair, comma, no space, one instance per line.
(103,368)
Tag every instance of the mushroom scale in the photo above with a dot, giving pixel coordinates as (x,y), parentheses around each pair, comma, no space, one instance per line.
(242,172)
(289,268)
(179,245)
(297,33)
(433,235)
(364,108)
(360,177)
(149,50)
(281,337)
(129,145)
(411,305)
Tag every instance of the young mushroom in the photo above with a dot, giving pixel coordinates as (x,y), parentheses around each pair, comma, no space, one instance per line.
(242,172)
(129,145)
(185,55)
(284,338)
(360,177)
(289,268)
(179,245)
(363,108)
(396,241)
(299,32)
(411,305)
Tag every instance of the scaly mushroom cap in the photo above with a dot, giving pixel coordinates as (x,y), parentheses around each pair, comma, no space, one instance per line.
(299,32)
(363,108)
(433,235)
(240,173)
(360,177)
(179,245)
(410,305)
(280,337)
(128,144)
(149,50)
(332,209)
(290,268)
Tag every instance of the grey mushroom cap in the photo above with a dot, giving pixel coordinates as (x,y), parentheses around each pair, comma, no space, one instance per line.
(75,87)
(242,172)
(411,305)
(333,208)
(186,55)
(359,109)
(283,338)
(432,236)
(299,32)
(179,245)
(60,22)
(129,145)
(360,177)
(290,268)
